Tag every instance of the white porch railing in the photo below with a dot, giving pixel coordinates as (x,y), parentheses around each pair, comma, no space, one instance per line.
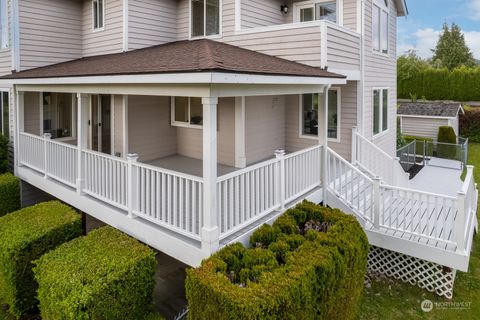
(171,199)
(61,162)
(377,162)
(32,151)
(467,209)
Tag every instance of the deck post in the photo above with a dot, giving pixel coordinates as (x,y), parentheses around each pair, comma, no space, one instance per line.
(376,202)
(210,234)
(460,221)
(323,138)
(20,126)
(46,137)
(131,159)
(354,145)
(83,101)
(280,155)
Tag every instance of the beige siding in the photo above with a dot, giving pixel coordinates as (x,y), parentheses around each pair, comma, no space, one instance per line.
(32,112)
(422,127)
(264,127)
(380,71)
(350,14)
(190,143)
(256,13)
(149,131)
(50,32)
(5,62)
(151,22)
(343,50)
(118,129)
(108,40)
(183,16)
(293,141)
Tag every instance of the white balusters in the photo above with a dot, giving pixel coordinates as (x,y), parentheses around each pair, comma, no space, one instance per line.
(32,151)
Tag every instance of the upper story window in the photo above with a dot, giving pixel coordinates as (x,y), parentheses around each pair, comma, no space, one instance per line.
(187,112)
(316,10)
(4,40)
(380,110)
(380,26)
(205,18)
(98,14)
(309,114)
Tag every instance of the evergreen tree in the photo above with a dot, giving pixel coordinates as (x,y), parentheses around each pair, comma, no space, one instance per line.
(452,51)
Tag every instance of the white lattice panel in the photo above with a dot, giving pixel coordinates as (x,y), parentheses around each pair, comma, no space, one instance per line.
(427,275)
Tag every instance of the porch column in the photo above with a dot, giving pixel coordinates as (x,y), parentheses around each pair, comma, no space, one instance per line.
(210,232)
(20,125)
(240,159)
(323,137)
(83,101)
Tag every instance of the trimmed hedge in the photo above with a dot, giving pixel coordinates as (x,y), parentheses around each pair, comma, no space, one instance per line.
(104,275)
(462,84)
(310,264)
(446,134)
(470,124)
(420,144)
(9,193)
(25,235)
(3,154)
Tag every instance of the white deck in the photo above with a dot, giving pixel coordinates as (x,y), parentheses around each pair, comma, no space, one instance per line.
(187,165)
(440,176)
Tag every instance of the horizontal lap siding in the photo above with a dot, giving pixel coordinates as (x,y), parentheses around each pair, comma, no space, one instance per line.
(381,71)
(261,13)
(422,127)
(109,40)
(343,50)
(151,22)
(264,127)
(293,141)
(32,112)
(183,19)
(350,14)
(50,32)
(118,129)
(6,54)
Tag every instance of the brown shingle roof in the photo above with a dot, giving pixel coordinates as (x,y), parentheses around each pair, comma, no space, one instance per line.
(439,109)
(182,56)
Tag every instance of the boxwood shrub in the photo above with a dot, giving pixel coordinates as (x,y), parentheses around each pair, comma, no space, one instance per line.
(25,235)
(310,264)
(446,134)
(3,154)
(9,193)
(104,275)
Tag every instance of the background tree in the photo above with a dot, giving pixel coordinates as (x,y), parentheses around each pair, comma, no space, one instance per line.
(451,51)
(409,64)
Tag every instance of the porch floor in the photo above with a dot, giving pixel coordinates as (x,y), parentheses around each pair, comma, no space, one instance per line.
(439,178)
(187,165)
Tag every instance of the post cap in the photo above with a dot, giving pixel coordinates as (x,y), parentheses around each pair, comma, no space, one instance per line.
(132,156)
(279,153)
(47,135)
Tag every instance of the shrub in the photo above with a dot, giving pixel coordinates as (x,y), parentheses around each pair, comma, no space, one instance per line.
(310,264)
(470,124)
(104,275)
(9,193)
(3,154)
(25,235)
(446,135)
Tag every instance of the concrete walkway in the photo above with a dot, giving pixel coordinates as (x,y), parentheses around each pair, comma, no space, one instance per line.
(439,178)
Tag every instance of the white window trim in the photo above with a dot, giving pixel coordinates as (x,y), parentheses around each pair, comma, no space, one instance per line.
(180,123)
(382,7)
(104,16)
(381,132)
(7,24)
(220,19)
(309,4)
(73,133)
(339,118)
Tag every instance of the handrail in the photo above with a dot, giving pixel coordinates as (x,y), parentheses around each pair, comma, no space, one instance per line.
(31,135)
(348,164)
(245,170)
(373,145)
(168,171)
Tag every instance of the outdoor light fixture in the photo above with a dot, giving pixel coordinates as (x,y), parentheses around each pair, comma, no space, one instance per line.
(284,9)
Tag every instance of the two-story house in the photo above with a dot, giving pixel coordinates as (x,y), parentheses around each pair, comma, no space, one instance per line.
(189,123)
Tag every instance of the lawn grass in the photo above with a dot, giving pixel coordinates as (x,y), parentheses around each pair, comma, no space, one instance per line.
(387,299)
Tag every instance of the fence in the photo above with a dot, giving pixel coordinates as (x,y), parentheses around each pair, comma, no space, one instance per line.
(407,155)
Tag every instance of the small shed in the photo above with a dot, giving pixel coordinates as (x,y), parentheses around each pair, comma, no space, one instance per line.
(422,119)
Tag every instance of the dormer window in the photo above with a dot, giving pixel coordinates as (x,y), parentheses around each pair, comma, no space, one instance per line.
(205,18)
(98,14)
(316,10)
(380,26)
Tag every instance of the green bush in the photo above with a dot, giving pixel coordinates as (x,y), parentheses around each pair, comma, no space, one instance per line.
(446,134)
(104,275)
(9,193)
(25,235)
(421,141)
(3,154)
(310,264)
(470,124)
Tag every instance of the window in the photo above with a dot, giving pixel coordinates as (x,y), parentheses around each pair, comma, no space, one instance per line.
(4,39)
(4,114)
(380,28)
(309,114)
(205,17)
(98,14)
(58,113)
(187,112)
(317,11)
(380,110)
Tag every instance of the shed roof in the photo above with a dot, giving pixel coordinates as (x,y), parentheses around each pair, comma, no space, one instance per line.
(442,109)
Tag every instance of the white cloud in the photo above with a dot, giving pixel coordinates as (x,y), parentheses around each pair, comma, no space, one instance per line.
(424,40)
(475,9)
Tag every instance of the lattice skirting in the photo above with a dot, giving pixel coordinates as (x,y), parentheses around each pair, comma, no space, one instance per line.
(427,275)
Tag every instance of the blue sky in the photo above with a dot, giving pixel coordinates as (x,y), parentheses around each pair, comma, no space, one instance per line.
(420,29)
